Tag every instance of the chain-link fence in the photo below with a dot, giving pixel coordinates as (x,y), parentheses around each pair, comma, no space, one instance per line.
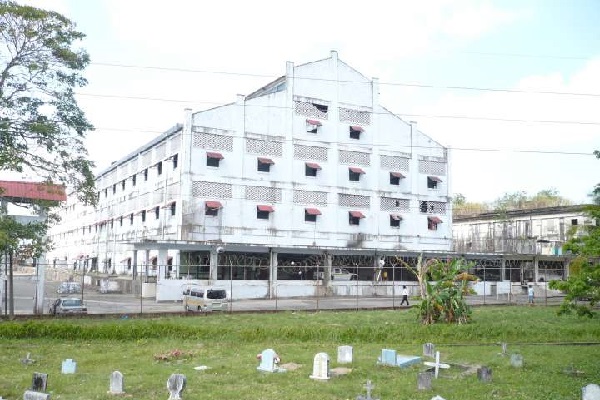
(251,284)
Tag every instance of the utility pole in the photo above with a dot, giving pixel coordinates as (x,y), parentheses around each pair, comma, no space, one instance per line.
(11,297)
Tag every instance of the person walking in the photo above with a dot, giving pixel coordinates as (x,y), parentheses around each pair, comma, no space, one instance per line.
(530,294)
(404,296)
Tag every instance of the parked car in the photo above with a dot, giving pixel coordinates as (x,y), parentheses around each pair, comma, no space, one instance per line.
(69,288)
(340,274)
(67,306)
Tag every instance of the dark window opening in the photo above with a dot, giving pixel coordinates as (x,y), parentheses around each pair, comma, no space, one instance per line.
(423,206)
(574,222)
(159,168)
(432,182)
(432,226)
(355,132)
(173,208)
(143,215)
(157,211)
(134,180)
(145,174)
(105,192)
(352,220)
(262,214)
(395,221)
(175,160)
(212,162)
(321,107)
(114,188)
(394,180)
(121,221)
(212,211)
(354,176)
(123,185)
(130,219)
(310,171)
(264,165)
(310,217)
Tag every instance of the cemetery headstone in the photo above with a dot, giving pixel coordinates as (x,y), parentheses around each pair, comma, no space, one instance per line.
(516,360)
(31,395)
(388,357)
(69,366)
(27,360)
(437,364)
(437,397)
(369,386)
(424,380)
(320,367)
(175,385)
(504,348)
(429,350)
(39,382)
(590,392)
(344,355)
(268,361)
(391,358)
(116,383)
(484,374)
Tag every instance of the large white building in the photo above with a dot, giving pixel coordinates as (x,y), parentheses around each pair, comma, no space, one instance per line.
(308,171)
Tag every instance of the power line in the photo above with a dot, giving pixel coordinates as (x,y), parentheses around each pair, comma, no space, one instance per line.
(521,55)
(449,116)
(417,85)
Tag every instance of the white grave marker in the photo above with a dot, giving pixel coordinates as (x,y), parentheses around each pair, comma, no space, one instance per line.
(344,355)
(320,367)
(437,365)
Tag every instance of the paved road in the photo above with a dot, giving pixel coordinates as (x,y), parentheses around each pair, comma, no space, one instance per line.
(98,303)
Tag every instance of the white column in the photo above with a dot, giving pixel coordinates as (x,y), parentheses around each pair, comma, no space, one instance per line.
(39,289)
(162,263)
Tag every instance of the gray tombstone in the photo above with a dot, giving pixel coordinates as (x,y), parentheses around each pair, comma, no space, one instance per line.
(424,380)
(320,367)
(175,386)
(429,350)
(516,360)
(39,382)
(31,395)
(116,383)
(590,392)
(369,386)
(484,374)
(344,355)
(69,366)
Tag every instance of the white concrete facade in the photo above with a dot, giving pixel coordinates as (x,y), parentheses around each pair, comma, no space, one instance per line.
(312,160)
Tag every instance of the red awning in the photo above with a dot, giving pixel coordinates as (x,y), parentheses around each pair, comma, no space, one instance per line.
(313,122)
(213,204)
(357,128)
(32,191)
(264,160)
(265,208)
(312,211)
(397,175)
(435,220)
(214,154)
(396,217)
(434,178)
(357,214)
(356,170)
(313,165)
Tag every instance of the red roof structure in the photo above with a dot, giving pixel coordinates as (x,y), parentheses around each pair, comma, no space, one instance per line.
(27,191)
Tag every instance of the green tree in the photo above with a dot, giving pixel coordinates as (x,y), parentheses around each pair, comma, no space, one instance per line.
(42,128)
(583,286)
(460,206)
(443,286)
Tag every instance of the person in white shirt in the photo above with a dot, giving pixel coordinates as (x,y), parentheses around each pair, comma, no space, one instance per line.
(530,294)
(404,296)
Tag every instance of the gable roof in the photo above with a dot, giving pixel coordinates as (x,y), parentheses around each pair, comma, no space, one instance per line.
(20,191)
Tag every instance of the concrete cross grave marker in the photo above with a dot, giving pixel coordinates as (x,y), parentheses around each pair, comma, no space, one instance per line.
(39,382)
(268,361)
(344,355)
(320,367)
(504,348)
(69,366)
(437,364)
(27,360)
(369,386)
(116,383)
(175,386)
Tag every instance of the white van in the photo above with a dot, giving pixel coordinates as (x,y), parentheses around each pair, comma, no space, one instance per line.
(199,298)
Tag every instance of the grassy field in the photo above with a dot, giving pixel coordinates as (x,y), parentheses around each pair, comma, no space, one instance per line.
(229,343)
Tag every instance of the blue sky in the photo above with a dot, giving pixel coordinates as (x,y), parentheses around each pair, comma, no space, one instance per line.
(528,46)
